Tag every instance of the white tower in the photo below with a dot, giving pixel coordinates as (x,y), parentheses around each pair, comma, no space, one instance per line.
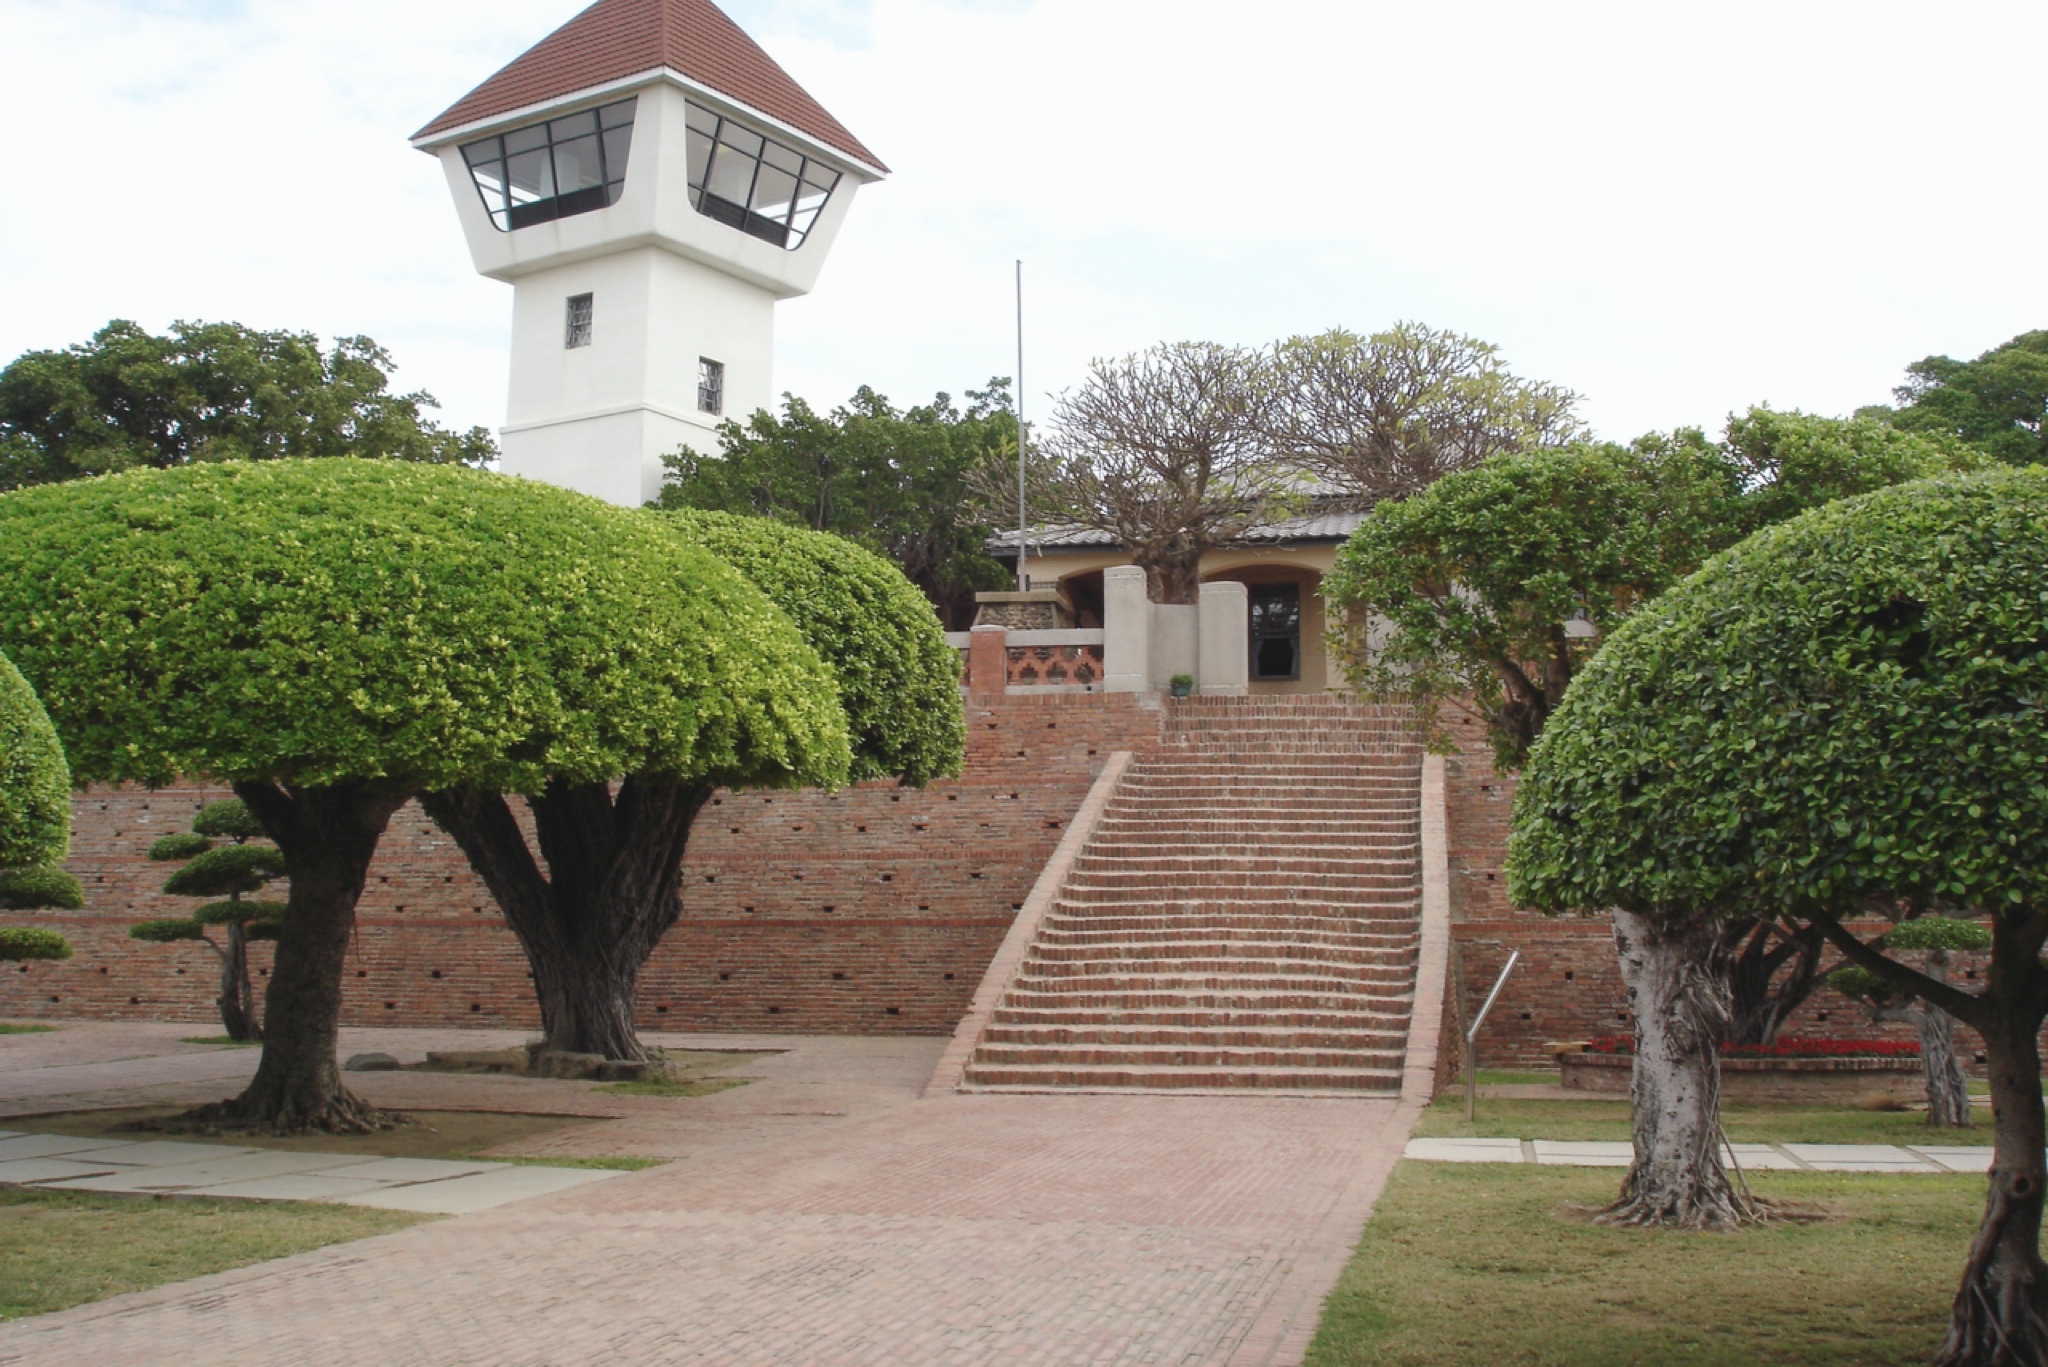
(649,182)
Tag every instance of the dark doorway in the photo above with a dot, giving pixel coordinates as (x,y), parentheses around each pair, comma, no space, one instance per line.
(1276,631)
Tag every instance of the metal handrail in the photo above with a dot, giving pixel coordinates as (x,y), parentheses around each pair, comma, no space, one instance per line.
(1472,1033)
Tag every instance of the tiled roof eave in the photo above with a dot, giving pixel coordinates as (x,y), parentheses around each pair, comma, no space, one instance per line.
(432,142)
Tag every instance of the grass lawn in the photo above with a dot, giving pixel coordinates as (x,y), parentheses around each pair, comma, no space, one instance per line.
(1498,1265)
(433,1134)
(7,1029)
(1504,1118)
(61,1248)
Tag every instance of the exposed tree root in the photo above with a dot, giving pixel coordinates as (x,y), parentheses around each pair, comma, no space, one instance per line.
(345,1114)
(1996,1320)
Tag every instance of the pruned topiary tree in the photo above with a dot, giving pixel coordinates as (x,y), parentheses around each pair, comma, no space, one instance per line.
(35,820)
(1842,714)
(332,637)
(225,873)
(612,883)
(1948,1088)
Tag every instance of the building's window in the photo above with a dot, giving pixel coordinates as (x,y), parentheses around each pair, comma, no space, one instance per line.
(754,183)
(710,385)
(551,170)
(1276,631)
(576,331)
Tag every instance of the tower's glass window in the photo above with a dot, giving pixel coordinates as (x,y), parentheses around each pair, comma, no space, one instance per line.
(1276,631)
(551,170)
(576,329)
(754,183)
(710,385)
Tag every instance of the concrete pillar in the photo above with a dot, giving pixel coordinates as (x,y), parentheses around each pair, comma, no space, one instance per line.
(988,660)
(1126,631)
(1176,636)
(1225,666)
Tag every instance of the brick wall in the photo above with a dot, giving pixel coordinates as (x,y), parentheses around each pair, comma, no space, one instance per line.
(874,909)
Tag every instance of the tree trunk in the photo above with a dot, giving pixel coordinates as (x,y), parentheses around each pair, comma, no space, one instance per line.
(1997,1319)
(612,890)
(1680,1000)
(237,1002)
(1754,951)
(328,836)
(1175,577)
(1948,1090)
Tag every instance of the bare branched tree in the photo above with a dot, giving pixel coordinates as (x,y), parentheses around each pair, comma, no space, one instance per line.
(1386,415)
(1167,450)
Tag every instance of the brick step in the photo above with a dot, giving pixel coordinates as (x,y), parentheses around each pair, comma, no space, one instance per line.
(1156,887)
(1288,866)
(1066,1076)
(1292,806)
(1209,975)
(1391,1022)
(1270,781)
(1057,932)
(1191,1056)
(1237,998)
(1124,1035)
(1251,836)
(1207,950)
(1384,907)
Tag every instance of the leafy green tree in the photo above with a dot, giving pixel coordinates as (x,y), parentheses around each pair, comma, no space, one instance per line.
(1842,713)
(333,637)
(35,819)
(210,392)
(1948,1090)
(227,872)
(1387,415)
(614,853)
(900,483)
(1997,403)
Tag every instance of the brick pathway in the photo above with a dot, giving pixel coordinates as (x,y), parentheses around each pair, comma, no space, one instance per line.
(823,1215)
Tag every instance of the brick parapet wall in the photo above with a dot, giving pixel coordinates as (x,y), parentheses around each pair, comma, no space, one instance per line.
(873,909)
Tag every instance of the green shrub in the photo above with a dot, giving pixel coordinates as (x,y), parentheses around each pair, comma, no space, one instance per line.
(899,682)
(178,845)
(25,942)
(229,818)
(35,784)
(28,889)
(226,913)
(166,931)
(229,868)
(1938,932)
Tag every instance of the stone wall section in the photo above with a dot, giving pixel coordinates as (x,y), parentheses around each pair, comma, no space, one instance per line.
(870,910)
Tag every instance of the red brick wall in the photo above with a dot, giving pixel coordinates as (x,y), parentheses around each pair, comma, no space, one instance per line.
(874,909)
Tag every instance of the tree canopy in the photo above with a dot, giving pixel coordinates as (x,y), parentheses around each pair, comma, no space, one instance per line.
(900,483)
(409,626)
(1386,415)
(1490,588)
(1997,403)
(35,782)
(1842,713)
(210,392)
(1843,708)
(899,682)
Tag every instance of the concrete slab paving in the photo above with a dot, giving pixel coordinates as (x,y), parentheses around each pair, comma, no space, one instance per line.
(1584,1153)
(1764,1158)
(22,1171)
(1465,1150)
(1957,1157)
(160,1153)
(244,1167)
(401,1170)
(1859,1158)
(50,1145)
(483,1191)
(291,1186)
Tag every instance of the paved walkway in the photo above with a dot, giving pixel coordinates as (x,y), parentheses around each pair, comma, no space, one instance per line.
(823,1215)
(1783,1157)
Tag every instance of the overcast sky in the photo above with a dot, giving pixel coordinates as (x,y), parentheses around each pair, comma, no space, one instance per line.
(1677,210)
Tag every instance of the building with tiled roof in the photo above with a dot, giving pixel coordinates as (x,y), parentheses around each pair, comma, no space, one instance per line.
(650,182)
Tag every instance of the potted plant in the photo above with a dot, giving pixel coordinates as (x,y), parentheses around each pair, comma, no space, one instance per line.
(1182,684)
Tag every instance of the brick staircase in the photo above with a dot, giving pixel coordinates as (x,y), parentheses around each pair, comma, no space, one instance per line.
(1243,916)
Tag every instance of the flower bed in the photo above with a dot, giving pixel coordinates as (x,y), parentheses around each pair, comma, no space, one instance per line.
(1792,1069)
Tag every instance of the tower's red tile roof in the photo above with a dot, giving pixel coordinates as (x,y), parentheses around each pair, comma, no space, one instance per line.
(616,38)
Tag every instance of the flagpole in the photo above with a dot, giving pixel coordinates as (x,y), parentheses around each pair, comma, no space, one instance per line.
(1023,576)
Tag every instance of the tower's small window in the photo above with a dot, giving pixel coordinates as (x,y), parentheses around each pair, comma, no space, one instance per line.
(1276,631)
(756,184)
(552,170)
(576,329)
(710,385)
